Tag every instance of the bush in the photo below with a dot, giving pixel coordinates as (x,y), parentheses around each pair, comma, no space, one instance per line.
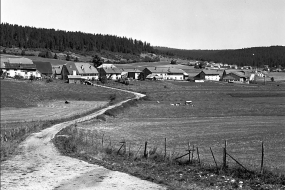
(101,117)
(112,97)
(49,80)
(103,79)
(18,77)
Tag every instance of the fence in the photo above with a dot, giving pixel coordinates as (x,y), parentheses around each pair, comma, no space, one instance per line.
(220,157)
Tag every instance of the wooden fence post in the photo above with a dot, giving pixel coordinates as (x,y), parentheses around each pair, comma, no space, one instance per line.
(130,149)
(198,156)
(225,156)
(164,148)
(214,158)
(189,152)
(262,157)
(103,141)
(192,155)
(138,151)
(145,150)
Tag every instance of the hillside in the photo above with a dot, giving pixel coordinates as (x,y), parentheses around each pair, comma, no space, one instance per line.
(273,56)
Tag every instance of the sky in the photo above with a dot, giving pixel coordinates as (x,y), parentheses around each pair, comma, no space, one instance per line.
(182,24)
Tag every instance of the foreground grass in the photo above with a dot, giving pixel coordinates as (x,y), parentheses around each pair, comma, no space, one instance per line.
(12,134)
(175,174)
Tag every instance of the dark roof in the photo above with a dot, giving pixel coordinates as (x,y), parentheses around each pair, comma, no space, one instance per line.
(165,70)
(113,70)
(43,67)
(19,66)
(131,70)
(213,72)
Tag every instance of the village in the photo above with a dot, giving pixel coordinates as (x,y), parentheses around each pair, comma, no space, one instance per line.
(81,72)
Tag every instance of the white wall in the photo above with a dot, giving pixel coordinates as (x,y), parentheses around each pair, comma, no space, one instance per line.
(174,77)
(26,74)
(214,78)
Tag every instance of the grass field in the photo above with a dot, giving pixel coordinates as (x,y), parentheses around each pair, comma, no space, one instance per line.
(244,115)
(24,94)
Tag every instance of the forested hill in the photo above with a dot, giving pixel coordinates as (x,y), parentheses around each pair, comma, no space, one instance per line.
(255,56)
(30,37)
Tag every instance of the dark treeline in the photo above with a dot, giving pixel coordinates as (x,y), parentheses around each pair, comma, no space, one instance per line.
(257,56)
(30,37)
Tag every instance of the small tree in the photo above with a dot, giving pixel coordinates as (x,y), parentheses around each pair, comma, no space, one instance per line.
(55,56)
(68,57)
(272,79)
(76,59)
(23,53)
(32,77)
(97,61)
(103,79)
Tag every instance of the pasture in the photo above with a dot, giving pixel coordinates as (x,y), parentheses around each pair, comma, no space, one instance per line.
(244,115)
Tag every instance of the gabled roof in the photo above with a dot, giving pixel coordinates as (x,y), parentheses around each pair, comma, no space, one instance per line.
(106,65)
(131,70)
(113,70)
(85,68)
(165,70)
(43,67)
(19,66)
(213,72)
(229,77)
(80,68)
(21,60)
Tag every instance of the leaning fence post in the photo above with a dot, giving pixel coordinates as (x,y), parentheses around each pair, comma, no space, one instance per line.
(130,149)
(262,157)
(189,152)
(225,156)
(145,149)
(214,158)
(198,155)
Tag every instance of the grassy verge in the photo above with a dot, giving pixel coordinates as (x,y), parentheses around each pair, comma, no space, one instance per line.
(12,134)
(154,166)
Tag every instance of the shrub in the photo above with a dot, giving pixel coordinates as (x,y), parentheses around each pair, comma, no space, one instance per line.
(112,97)
(49,80)
(101,117)
(18,77)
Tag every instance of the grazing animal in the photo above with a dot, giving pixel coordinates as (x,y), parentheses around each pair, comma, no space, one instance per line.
(158,102)
(177,104)
(66,102)
(172,104)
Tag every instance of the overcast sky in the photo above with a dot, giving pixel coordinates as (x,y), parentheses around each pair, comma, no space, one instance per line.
(184,24)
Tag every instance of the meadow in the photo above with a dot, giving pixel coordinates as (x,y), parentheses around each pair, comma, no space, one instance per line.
(30,106)
(244,115)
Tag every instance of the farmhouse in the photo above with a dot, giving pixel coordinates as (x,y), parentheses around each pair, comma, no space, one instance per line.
(132,73)
(44,68)
(237,76)
(110,71)
(163,73)
(22,70)
(212,75)
(85,70)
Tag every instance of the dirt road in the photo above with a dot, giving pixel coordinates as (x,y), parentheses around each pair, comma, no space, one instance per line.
(38,165)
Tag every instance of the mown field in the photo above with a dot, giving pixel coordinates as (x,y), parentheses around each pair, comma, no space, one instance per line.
(24,94)
(244,115)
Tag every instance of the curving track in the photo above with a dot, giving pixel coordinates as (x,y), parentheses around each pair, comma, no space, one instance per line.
(38,165)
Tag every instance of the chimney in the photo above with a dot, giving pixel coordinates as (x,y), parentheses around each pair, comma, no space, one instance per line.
(74,72)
